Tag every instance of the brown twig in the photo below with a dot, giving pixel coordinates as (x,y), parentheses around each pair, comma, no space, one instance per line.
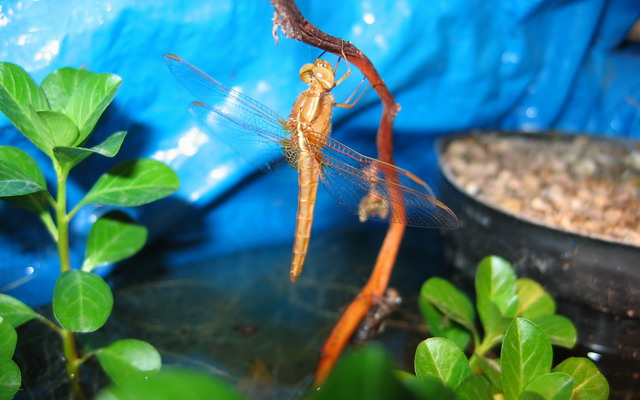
(295,26)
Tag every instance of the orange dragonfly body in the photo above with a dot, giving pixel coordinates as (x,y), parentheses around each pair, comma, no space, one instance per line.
(365,186)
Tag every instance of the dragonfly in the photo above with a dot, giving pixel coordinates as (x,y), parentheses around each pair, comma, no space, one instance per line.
(367,187)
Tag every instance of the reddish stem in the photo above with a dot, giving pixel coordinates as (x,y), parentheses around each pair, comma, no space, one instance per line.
(295,26)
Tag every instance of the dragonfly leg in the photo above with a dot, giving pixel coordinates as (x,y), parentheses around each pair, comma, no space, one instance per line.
(347,103)
(346,74)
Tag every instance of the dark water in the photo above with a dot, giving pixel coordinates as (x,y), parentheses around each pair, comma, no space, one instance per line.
(239,316)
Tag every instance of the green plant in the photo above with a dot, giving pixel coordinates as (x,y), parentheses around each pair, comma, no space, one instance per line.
(518,316)
(57,117)
(174,383)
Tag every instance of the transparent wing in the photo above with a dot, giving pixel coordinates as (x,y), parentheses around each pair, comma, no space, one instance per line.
(365,186)
(262,148)
(370,188)
(253,130)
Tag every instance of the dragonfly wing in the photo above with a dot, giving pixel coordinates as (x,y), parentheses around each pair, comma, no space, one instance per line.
(370,188)
(253,130)
(209,91)
(263,149)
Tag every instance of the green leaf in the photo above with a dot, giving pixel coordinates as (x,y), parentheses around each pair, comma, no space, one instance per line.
(475,387)
(82,95)
(113,237)
(588,382)
(8,339)
(491,369)
(69,157)
(497,301)
(60,130)
(34,202)
(174,383)
(133,183)
(363,374)
(129,361)
(560,330)
(428,388)
(533,301)
(551,386)
(10,379)
(440,325)
(16,312)
(493,323)
(19,173)
(526,354)
(450,301)
(440,358)
(82,301)
(496,282)
(20,98)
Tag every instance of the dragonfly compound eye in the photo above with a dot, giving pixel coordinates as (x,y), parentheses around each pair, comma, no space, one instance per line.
(306,73)
(324,76)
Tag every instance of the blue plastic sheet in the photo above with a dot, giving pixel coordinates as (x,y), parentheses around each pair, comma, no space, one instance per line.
(452,64)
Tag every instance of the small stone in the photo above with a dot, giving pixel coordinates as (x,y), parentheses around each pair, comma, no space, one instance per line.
(575,183)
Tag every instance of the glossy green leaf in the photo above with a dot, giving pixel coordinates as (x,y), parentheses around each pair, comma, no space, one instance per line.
(450,301)
(10,379)
(82,95)
(69,157)
(496,282)
(441,325)
(60,130)
(497,301)
(494,324)
(560,330)
(129,361)
(133,183)
(440,358)
(8,339)
(588,382)
(113,237)
(364,374)
(16,312)
(82,301)
(533,301)
(20,98)
(551,386)
(173,383)
(491,369)
(526,354)
(19,173)
(475,387)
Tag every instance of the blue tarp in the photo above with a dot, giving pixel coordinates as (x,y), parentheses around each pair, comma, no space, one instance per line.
(453,65)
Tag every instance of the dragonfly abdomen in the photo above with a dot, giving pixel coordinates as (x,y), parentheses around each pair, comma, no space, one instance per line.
(308,170)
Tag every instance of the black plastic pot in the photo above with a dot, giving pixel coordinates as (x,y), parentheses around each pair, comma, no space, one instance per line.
(603,275)
(595,282)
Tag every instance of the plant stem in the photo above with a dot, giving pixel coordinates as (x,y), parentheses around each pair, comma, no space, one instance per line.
(480,350)
(51,325)
(63,221)
(46,219)
(68,338)
(73,363)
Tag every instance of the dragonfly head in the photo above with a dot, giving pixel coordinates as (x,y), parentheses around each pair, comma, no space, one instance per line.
(319,73)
